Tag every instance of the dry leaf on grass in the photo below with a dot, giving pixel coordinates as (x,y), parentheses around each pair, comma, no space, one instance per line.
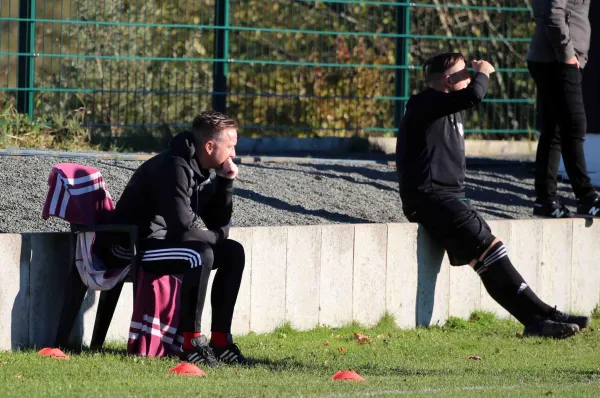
(341,349)
(362,338)
(326,343)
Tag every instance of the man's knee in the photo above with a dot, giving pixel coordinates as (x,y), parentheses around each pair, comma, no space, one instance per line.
(493,252)
(484,248)
(207,256)
(235,252)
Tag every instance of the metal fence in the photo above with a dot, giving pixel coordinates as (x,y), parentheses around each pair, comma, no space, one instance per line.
(280,67)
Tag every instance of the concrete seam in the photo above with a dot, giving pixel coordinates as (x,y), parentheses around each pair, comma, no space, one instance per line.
(385,274)
(285,273)
(353,267)
(250,282)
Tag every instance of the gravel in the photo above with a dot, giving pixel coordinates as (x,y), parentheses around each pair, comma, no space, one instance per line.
(274,193)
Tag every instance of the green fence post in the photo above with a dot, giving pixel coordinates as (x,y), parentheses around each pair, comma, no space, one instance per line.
(402,78)
(221,53)
(25,73)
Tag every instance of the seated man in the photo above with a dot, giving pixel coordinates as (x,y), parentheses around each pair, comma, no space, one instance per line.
(164,197)
(431,168)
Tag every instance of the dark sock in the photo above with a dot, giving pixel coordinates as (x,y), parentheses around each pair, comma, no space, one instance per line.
(187,339)
(505,285)
(220,339)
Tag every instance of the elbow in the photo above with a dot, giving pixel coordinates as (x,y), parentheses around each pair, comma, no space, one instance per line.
(476,96)
(549,21)
(478,89)
(555,18)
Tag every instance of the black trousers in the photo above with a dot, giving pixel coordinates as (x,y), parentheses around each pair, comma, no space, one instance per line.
(563,126)
(195,260)
(454,223)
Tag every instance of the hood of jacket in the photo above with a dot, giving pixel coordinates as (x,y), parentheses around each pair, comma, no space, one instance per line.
(184,146)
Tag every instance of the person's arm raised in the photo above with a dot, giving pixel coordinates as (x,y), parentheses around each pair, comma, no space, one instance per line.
(456,101)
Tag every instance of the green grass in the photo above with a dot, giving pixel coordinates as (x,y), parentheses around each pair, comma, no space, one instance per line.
(422,361)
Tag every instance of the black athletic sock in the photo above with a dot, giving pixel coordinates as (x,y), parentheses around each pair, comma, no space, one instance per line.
(505,285)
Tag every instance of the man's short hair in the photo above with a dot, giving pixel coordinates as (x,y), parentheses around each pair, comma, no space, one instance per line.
(208,124)
(440,63)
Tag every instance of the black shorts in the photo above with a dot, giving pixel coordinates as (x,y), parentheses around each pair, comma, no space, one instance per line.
(455,224)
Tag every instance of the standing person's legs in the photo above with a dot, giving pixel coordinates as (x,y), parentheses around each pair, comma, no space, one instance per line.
(573,125)
(468,239)
(229,261)
(549,145)
(194,260)
(562,130)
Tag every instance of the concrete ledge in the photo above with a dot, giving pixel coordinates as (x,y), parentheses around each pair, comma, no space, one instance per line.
(386,145)
(320,275)
(314,146)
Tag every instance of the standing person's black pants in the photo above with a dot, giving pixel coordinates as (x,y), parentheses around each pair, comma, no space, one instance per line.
(562,129)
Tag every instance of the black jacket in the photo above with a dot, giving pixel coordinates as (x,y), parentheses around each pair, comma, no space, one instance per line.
(430,149)
(168,192)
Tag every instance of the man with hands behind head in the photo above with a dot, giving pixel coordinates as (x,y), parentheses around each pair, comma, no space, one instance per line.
(164,198)
(431,168)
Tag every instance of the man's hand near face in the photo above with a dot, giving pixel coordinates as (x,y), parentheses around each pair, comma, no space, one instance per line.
(229,170)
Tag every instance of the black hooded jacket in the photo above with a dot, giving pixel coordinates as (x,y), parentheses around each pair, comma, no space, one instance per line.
(168,192)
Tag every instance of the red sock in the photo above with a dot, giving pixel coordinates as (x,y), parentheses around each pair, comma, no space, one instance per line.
(187,339)
(220,339)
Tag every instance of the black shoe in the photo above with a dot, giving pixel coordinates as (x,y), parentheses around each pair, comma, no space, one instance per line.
(553,209)
(579,320)
(230,354)
(589,205)
(201,354)
(549,328)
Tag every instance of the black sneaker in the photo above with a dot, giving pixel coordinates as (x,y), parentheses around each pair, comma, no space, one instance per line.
(589,205)
(579,320)
(201,353)
(553,209)
(549,328)
(230,354)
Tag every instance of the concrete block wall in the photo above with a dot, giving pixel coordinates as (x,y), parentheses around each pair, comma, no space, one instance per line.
(320,275)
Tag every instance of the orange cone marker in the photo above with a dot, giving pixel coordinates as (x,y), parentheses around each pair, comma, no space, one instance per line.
(347,375)
(56,353)
(187,369)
